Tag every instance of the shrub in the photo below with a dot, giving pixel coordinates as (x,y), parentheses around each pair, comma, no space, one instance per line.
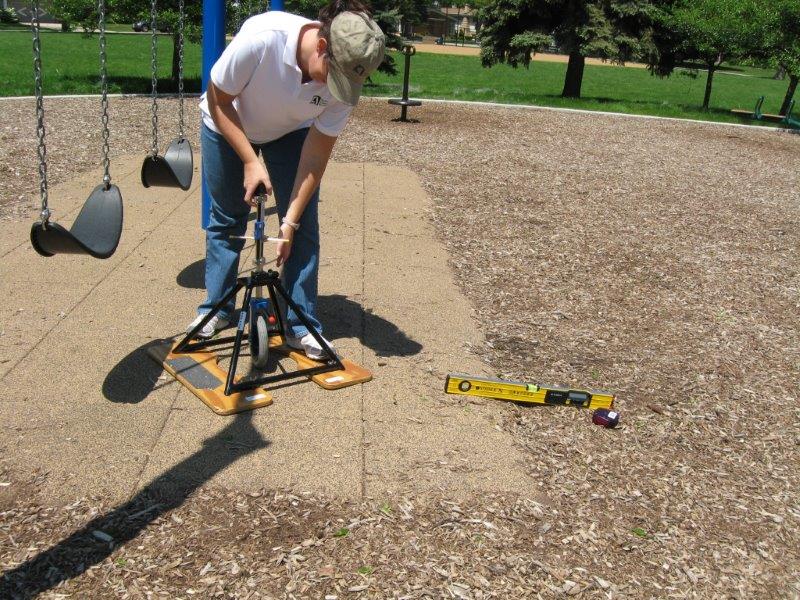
(8,15)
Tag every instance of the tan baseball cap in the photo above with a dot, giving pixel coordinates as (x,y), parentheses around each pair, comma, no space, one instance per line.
(357,45)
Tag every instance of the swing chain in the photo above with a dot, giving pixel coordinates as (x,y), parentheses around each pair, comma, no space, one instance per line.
(40,131)
(180,68)
(154,67)
(101,9)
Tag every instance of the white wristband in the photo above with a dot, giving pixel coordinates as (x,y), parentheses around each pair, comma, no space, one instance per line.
(294,226)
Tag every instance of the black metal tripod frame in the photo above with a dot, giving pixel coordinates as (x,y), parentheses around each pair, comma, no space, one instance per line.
(271,280)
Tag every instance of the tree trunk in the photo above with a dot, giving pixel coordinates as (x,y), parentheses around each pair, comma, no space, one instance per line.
(780,74)
(176,42)
(789,93)
(574,77)
(709,80)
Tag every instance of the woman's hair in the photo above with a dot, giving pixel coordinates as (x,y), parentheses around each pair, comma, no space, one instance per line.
(333,8)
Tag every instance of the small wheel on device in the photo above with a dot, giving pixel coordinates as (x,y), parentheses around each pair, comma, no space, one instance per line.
(259,341)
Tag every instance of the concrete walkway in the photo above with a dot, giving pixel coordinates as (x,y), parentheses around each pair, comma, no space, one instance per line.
(82,401)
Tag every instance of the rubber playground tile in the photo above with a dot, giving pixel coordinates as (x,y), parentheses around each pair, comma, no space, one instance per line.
(70,367)
(156,310)
(52,336)
(343,193)
(84,449)
(15,235)
(391,329)
(414,301)
(37,306)
(67,269)
(251,451)
(340,270)
(395,184)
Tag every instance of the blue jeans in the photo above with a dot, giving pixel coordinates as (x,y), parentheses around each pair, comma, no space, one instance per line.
(223,171)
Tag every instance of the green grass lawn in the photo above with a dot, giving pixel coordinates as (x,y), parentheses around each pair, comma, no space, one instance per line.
(606,88)
(71,67)
(71,63)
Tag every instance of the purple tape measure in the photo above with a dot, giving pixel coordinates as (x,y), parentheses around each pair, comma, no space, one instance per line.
(605,417)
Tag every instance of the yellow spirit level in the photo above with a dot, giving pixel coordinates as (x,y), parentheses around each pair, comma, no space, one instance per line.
(517,391)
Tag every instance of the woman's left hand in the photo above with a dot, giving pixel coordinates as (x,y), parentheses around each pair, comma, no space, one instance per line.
(284,248)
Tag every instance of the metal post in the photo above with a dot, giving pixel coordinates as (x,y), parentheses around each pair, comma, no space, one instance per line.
(213,45)
(409,51)
(405,86)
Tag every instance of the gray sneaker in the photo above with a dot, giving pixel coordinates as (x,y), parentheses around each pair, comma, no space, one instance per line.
(209,329)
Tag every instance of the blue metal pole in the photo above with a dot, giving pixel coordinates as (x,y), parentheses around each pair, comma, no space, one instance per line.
(276,5)
(213,46)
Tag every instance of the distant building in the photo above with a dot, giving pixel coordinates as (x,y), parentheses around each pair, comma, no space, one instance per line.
(23,9)
(449,21)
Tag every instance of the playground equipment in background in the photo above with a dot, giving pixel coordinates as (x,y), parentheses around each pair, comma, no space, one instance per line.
(757,114)
(97,229)
(175,168)
(404,102)
(198,370)
(789,119)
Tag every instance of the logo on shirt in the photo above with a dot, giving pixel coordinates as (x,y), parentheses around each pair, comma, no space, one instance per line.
(318,101)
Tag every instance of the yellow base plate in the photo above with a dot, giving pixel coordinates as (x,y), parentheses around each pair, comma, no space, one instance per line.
(200,374)
(331,380)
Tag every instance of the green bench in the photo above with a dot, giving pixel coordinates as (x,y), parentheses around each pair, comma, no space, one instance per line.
(757,114)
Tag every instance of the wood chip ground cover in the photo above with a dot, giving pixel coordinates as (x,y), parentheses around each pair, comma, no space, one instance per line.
(657,259)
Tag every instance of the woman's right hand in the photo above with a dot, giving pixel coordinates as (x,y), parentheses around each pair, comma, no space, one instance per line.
(254,175)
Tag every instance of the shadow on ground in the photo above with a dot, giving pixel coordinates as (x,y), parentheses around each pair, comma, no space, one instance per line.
(193,276)
(101,536)
(134,377)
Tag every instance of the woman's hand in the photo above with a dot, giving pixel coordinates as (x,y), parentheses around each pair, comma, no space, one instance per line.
(284,248)
(254,175)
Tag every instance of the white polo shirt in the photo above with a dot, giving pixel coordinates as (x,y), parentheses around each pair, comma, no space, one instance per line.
(260,68)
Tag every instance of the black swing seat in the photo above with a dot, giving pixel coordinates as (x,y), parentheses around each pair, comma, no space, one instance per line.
(174,169)
(96,230)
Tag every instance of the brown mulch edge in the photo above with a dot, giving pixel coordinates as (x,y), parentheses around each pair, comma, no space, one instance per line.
(279,544)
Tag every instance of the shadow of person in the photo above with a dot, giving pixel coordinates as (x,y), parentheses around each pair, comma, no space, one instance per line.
(193,276)
(95,541)
(134,377)
(343,317)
